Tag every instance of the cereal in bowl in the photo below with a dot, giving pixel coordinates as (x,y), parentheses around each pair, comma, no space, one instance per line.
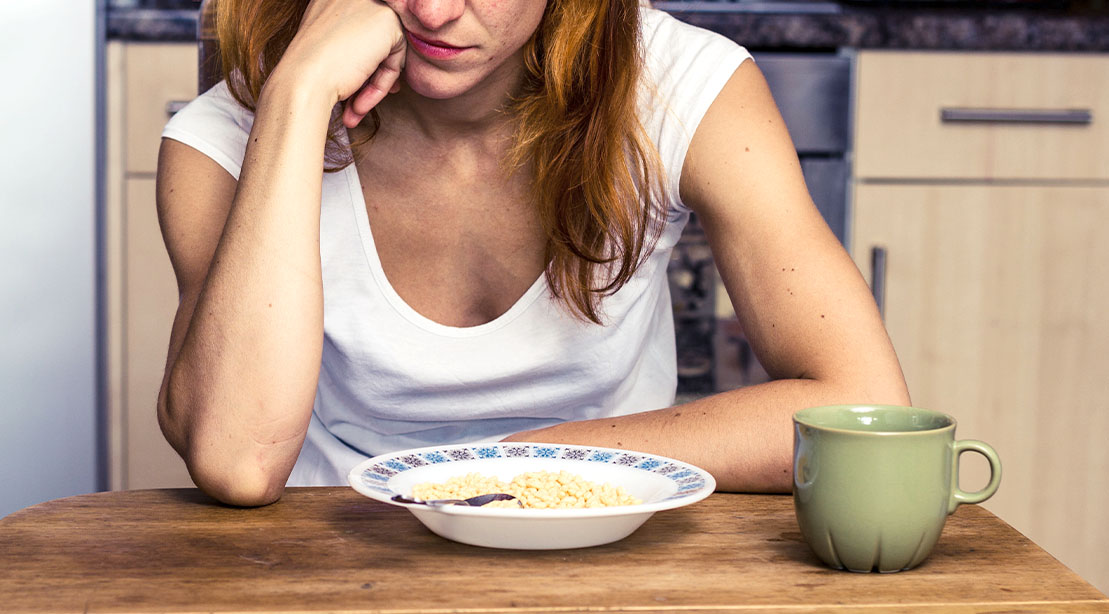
(535,490)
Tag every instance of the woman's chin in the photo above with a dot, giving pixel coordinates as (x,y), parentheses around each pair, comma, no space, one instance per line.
(439,87)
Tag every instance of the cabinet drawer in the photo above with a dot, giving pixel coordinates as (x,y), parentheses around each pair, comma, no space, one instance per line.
(1008,116)
(157,75)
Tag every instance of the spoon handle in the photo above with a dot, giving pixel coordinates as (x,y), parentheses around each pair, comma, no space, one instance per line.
(432,502)
(477,501)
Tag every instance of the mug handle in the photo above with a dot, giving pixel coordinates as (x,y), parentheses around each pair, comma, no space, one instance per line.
(958,495)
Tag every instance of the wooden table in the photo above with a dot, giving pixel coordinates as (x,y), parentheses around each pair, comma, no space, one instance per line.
(330,549)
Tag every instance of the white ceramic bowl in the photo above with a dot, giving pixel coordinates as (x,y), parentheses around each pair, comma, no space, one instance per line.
(661,483)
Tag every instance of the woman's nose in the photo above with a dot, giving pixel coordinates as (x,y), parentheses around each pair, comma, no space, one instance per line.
(434,14)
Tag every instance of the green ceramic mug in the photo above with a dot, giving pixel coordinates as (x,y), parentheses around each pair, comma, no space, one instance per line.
(874,484)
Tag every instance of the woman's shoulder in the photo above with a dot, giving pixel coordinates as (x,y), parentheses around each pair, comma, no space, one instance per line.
(216,124)
(685,68)
(685,65)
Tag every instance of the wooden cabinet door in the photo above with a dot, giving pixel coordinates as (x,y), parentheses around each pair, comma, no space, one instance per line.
(997,301)
(150,302)
(159,76)
(145,82)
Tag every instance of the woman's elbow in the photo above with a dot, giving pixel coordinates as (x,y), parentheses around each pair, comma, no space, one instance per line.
(237,470)
(236,483)
(900,397)
(884,389)
(241,475)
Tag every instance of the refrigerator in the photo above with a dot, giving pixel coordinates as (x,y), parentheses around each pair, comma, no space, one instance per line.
(50,429)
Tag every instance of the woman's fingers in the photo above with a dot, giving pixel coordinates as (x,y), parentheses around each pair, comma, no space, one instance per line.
(350,118)
(365,99)
(384,80)
(341,43)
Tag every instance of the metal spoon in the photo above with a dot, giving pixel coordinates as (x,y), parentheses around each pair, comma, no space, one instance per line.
(477,501)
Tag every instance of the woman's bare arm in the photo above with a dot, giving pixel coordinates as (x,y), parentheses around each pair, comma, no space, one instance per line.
(800,300)
(247,339)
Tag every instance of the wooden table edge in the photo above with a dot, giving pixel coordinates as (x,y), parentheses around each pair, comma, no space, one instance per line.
(1014,607)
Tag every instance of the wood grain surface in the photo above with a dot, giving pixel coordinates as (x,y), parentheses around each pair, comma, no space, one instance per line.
(332,550)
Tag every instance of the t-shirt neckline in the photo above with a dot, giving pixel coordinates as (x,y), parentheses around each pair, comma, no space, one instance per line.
(373,261)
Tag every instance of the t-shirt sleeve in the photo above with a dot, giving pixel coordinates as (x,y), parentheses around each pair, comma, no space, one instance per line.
(687,67)
(216,125)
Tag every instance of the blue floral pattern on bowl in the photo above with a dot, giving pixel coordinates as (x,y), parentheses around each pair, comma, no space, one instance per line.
(688,479)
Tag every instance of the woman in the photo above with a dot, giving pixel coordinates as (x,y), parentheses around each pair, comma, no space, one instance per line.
(487,260)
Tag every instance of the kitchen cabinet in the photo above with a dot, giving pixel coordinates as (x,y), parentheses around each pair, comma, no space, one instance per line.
(145,83)
(997,276)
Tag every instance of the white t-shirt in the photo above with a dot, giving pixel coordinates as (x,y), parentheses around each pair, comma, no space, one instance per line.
(391,379)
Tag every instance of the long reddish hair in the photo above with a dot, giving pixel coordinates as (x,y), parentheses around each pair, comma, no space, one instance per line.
(597,181)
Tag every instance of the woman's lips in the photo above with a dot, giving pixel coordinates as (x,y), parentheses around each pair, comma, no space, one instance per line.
(435,50)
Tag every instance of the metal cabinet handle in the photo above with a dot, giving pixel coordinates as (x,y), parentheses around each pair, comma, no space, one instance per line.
(878,278)
(173,106)
(1082,117)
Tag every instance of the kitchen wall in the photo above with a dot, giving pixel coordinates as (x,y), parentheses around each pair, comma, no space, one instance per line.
(48,264)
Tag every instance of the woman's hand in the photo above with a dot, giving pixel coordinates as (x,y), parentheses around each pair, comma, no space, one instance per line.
(353,48)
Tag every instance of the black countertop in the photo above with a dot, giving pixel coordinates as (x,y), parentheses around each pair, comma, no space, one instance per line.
(152,24)
(786,24)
